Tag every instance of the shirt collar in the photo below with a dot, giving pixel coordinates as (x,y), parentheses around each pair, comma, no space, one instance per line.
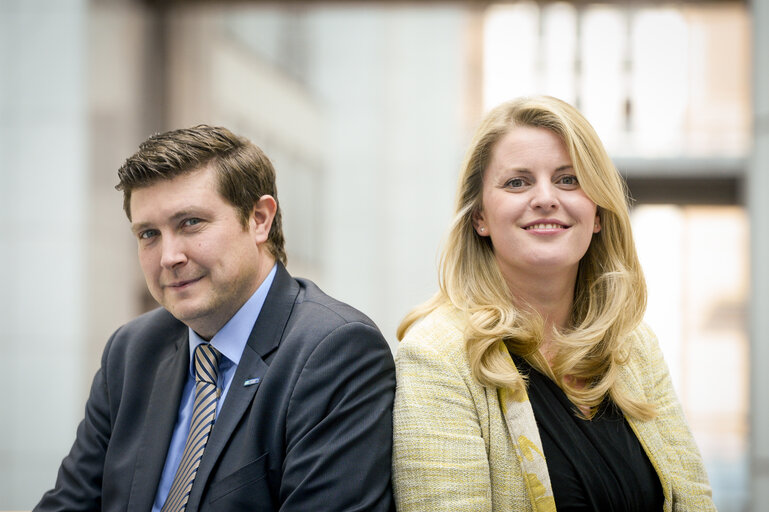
(232,338)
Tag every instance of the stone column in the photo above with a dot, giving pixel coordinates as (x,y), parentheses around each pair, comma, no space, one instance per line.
(758,204)
(43,205)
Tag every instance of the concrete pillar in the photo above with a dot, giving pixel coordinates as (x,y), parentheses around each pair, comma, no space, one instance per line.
(386,214)
(758,204)
(43,205)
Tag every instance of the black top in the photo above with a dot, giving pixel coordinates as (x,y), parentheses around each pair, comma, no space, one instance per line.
(593,465)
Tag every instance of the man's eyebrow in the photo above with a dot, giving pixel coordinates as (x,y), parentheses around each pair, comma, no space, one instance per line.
(182,214)
(141,226)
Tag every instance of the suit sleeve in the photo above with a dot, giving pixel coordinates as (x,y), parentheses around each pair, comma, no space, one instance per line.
(690,487)
(339,427)
(78,484)
(440,461)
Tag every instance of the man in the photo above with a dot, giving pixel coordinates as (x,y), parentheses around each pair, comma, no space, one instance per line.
(298,386)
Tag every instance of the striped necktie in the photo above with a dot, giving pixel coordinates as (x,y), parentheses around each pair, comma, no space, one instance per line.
(206,367)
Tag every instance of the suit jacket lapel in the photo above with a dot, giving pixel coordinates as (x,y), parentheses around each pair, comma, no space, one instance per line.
(162,411)
(263,340)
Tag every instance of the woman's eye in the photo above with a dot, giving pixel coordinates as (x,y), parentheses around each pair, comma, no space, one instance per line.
(516,183)
(568,180)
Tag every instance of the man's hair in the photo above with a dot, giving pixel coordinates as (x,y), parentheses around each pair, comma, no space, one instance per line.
(244,173)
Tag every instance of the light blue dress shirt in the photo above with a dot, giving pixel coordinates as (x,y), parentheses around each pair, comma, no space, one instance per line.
(230,341)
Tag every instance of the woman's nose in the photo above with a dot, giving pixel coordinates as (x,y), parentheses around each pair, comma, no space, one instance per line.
(544,196)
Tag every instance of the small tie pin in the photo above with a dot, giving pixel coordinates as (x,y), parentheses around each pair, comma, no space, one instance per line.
(251,382)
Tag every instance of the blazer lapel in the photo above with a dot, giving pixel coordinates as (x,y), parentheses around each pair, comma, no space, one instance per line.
(254,363)
(527,446)
(171,374)
(645,431)
(524,435)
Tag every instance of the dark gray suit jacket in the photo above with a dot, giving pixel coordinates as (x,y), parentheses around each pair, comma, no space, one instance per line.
(314,434)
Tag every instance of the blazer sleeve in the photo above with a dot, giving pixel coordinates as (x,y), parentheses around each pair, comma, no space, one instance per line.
(78,484)
(339,426)
(684,466)
(440,461)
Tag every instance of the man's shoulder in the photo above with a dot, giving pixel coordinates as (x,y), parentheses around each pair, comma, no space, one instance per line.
(314,301)
(303,301)
(158,320)
(317,318)
(322,331)
(153,329)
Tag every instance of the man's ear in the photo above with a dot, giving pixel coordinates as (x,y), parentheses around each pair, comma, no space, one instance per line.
(261,218)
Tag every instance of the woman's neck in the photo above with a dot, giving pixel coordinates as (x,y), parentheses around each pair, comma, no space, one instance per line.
(550,296)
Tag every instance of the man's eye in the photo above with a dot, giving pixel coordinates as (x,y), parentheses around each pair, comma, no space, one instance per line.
(146,235)
(191,222)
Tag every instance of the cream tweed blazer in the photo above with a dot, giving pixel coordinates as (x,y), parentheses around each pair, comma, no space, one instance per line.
(452,448)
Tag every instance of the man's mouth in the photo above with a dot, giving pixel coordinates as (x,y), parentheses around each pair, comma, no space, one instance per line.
(182,284)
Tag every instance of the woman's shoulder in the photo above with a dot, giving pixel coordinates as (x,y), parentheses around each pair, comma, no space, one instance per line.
(432,358)
(442,329)
(644,350)
(643,339)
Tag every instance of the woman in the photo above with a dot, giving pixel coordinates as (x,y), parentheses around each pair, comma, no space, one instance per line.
(529,382)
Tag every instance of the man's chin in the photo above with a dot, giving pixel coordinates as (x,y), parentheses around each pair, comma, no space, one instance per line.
(187,312)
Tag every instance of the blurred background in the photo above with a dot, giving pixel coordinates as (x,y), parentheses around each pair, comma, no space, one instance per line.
(366,109)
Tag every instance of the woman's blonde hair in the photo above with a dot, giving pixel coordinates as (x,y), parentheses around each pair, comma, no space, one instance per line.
(610,292)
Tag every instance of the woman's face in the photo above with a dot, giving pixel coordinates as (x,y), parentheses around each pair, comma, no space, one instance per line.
(539,219)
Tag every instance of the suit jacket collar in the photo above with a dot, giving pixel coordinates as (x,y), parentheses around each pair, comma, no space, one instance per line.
(272,320)
(254,363)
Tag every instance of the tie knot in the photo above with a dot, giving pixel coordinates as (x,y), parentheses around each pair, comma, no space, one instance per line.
(206,363)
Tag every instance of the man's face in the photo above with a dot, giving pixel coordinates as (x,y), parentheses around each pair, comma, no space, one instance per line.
(199,261)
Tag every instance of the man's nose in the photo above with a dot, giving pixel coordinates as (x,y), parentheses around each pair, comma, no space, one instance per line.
(173,252)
